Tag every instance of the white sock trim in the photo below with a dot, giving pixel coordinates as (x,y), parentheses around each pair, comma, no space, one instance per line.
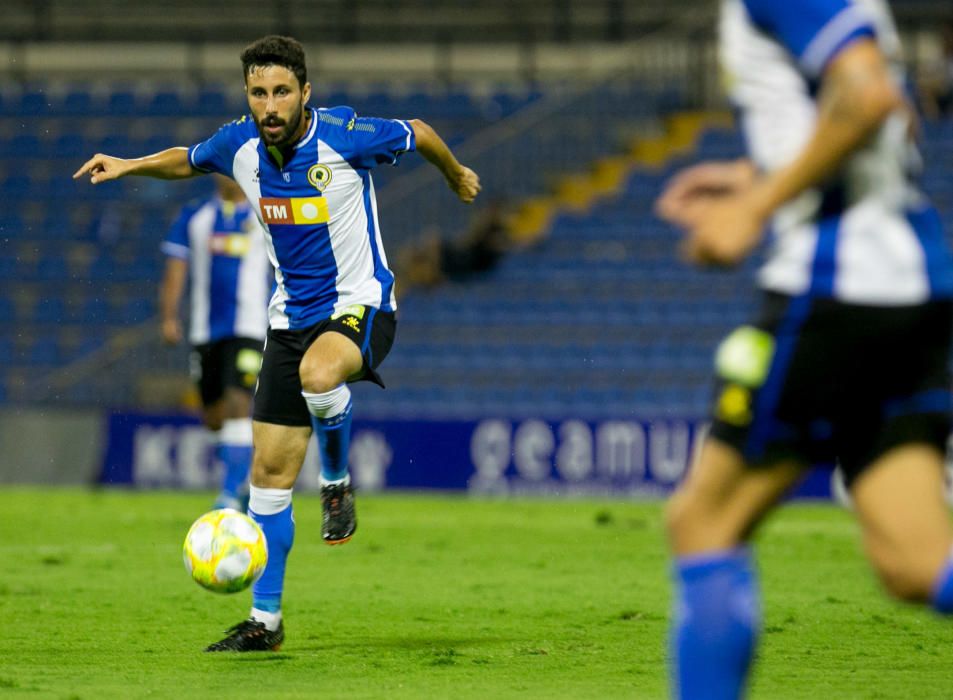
(268,501)
(335,482)
(330,403)
(271,619)
(236,431)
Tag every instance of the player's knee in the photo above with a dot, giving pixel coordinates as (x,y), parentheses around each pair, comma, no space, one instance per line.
(268,471)
(904,579)
(318,377)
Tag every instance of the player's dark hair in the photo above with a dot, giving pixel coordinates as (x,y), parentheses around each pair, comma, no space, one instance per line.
(276,50)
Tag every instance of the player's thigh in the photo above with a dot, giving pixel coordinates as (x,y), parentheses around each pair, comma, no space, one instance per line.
(723,499)
(279,454)
(331,358)
(905,519)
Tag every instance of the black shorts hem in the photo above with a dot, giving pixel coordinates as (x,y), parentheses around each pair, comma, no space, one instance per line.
(286,420)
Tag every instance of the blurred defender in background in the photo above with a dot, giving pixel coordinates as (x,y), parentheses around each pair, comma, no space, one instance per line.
(848,360)
(218,246)
(332,318)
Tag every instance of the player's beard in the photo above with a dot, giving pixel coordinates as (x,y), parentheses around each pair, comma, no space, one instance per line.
(282,138)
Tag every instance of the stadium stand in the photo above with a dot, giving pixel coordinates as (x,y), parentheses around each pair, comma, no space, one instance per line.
(598,319)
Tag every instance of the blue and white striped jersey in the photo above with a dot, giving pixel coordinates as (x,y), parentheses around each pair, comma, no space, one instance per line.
(318,209)
(229,270)
(869,236)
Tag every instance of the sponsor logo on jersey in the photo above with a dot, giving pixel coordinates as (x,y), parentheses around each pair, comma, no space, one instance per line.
(293,210)
(319,175)
(233,245)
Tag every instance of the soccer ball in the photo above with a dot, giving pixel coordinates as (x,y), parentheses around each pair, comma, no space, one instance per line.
(225,551)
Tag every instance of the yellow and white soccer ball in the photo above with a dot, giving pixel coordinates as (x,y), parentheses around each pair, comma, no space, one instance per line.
(225,551)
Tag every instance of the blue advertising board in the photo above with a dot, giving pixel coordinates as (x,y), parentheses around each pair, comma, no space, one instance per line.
(617,458)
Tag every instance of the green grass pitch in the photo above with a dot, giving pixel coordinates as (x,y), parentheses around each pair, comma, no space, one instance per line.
(436,597)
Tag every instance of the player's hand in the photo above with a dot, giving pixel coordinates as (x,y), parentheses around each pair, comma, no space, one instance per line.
(723,230)
(171,331)
(102,168)
(698,185)
(466,184)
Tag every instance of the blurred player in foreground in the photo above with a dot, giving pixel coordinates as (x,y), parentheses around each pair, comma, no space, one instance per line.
(306,172)
(218,246)
(849,357)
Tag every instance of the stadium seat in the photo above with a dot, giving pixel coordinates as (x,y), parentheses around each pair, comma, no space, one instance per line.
(165,103)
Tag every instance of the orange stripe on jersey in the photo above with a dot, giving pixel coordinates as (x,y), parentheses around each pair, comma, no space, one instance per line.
(294,210)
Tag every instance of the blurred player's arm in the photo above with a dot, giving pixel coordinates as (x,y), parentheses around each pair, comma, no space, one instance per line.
(857,95)
(697,184)
(170,294)
(464,182)
(170,164)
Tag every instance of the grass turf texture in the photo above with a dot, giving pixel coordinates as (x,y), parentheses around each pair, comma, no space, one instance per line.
(436,597)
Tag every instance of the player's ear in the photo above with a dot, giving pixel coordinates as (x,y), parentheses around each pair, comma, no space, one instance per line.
(305,93)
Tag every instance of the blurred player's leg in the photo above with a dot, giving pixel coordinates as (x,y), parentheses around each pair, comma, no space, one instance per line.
(907,533)
(330,360)
(279,454)
(234,449)
(717,607)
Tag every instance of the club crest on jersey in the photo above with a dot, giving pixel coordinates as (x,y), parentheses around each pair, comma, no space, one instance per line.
(293,210)
(319,175)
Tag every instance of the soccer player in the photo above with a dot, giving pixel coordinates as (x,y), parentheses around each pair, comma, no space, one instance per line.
(219,246)
(848,359)
(306,172)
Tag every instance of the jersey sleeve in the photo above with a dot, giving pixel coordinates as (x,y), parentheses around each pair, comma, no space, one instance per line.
(176,243)
(369,141)
(216,154)
(814,31)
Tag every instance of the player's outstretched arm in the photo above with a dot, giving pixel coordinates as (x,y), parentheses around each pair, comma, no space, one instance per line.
(463,181)
(170,164)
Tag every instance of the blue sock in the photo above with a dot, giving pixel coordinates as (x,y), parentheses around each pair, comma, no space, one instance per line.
(334,442)
(279,532)
(943,590)
(234,451)
(236,460)
(716,624)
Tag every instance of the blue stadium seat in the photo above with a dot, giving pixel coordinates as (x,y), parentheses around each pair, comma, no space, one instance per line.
(35,104)
(20,146)
(211,102)
(95,311)
(52,266)
(166,103)
(79,103)
(50,309)
(122,103)
(70,145)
